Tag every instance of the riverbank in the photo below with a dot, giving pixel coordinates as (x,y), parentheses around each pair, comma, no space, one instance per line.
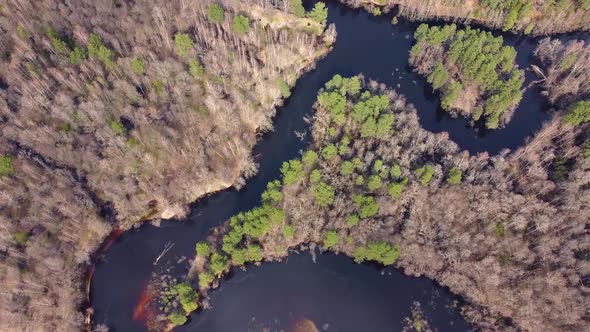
(399,195)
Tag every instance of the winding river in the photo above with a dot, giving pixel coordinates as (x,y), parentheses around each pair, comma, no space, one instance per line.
(333,292)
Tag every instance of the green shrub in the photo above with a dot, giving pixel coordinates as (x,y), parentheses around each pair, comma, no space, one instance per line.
(344,86)
(319,13)
(310,157)
(500,230)
(343,146)
(254,253)
(177,318)
(360,180)
(118,128)
(353,220)
(315,176)
(395,190)
(569,61)
(218,264)
(450,95)
(395,171)
(331,239)
(284,88)
(241,24)
(296,8)
(60,47)
(378,165)
(6,168)
(203,249)
(578,113)
(98,50)
(347,168)
(256,222)
(455,175)
(272,194)
(292,171)
(424,174)
(232,239)
(438,77)
(205,279)
(187,297)
(374,182)
(323,194)
(21,238)
(22,33)
(195,68)
(335,103)
(381,252)
(215,13)
(184,44)
(329,152)
(158,87)
(239,256)
(132,142)
(288,231)
(137,66)
(77,55)
(366,205)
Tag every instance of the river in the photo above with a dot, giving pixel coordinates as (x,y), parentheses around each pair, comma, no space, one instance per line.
(335,291)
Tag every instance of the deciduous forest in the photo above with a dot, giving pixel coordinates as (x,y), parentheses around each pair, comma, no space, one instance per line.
(117,112)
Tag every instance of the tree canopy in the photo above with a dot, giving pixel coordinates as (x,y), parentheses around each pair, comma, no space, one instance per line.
(215,13)
(471,57)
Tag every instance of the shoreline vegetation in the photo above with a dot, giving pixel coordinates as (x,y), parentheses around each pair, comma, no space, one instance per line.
(376,187)
(519,16)
(113,114)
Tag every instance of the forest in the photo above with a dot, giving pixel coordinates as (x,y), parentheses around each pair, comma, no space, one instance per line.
(116,112)
(474,73)
(482,226)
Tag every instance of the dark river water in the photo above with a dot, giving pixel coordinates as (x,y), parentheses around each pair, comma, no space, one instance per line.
(335,291)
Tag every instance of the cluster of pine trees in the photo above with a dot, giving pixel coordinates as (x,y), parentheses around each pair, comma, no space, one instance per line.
(473,71)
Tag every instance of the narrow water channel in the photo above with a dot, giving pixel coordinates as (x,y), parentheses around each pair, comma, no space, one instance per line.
(335,291)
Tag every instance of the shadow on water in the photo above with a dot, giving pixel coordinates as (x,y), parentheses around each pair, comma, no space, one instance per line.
(366,44)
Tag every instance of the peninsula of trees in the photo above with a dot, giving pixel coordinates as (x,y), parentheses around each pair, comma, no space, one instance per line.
(473,72)
(507,233)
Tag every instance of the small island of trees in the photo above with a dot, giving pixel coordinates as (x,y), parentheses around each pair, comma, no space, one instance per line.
(474,73)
